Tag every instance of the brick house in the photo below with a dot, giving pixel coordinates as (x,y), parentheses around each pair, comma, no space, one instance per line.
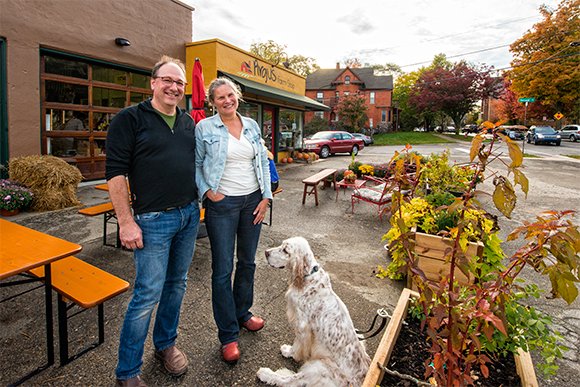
(329,85)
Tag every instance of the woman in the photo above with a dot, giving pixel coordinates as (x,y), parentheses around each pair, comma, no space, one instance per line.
(233,180)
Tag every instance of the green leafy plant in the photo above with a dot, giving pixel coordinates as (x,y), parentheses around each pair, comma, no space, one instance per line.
(13,195)
(462,321)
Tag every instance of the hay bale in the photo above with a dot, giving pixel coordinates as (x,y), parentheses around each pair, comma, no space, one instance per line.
(53,181)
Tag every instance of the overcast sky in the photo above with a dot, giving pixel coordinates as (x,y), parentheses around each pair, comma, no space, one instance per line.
(405,32)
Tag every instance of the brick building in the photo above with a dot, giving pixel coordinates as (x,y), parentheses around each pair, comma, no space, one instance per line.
(329,85)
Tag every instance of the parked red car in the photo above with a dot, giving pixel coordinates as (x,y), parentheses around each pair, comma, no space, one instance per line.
(330,142)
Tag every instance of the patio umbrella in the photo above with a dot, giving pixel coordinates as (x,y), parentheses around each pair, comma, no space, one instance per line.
(197,92)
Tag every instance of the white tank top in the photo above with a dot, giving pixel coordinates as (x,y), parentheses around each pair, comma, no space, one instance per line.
(239,177)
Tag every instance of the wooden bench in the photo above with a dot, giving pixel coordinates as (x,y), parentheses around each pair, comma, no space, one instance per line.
(327,174)
(278,190)
(86,286)
(108,212)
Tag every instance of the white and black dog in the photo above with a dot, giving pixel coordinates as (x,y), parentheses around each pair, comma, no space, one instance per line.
(326,339)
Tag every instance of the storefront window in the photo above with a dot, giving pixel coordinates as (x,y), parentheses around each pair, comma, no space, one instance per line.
(67,120)
(101,121)
(66,67)
(251,110)
(138,97)
(61,92)
(290,130)
(140,80)
(109,75)
(78,134)
(109,98)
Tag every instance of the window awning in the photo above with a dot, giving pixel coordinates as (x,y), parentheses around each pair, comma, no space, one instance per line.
(249,86)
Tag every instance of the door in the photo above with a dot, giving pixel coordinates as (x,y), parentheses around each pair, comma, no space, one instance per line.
(3,112)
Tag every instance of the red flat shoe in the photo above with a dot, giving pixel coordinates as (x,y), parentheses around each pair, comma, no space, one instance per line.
(230,352)
(254,324)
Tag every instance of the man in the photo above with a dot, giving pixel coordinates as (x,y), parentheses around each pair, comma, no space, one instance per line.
(154,144)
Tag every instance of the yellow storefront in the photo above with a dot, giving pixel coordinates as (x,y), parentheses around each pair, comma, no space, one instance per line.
(273,95)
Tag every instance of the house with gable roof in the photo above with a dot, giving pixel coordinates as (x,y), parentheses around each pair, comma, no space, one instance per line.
(328,86)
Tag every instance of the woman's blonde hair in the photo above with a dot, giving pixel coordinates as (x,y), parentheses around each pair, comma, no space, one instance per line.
(220,82)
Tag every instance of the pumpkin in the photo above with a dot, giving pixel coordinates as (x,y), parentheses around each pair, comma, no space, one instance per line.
(306,156)
(290,159)
(300,155)
(284,159)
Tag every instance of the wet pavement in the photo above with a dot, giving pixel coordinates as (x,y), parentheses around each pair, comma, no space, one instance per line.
(348,245)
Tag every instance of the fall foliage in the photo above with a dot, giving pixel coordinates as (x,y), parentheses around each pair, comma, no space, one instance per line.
(552,76)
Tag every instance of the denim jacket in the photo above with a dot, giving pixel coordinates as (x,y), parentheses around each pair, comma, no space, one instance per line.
(211,136)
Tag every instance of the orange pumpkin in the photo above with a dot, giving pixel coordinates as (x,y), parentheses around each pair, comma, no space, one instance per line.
(306,157)
(290,159)
(284,159)
(300,155)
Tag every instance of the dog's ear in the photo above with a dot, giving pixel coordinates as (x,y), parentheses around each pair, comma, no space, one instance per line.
(299,268)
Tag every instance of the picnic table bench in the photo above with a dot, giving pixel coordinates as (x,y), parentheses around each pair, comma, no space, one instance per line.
(311,183)
(86,286)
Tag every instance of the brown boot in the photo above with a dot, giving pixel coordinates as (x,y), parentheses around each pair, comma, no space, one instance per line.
(135,381)
(174,360)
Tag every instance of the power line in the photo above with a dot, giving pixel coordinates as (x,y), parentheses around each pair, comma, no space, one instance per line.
(490,70)
(444,37)
(468,53)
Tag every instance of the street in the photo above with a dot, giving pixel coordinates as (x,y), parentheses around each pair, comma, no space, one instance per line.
(347,242)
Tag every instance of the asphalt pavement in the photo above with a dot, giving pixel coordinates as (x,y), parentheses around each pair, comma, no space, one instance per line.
(348,245)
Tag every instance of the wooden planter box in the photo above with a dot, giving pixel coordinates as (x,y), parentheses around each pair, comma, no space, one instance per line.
(431,252)
(524,365)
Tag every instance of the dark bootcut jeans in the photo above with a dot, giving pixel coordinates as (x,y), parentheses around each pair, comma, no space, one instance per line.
(227,220)
(162,265)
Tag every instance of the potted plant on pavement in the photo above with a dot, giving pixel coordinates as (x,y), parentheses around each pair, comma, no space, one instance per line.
(463,321)
(13,197)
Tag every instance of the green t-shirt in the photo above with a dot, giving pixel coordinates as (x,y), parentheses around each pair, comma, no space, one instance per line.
(170,120)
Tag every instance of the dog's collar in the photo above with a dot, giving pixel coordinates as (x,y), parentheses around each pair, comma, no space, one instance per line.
(314,270)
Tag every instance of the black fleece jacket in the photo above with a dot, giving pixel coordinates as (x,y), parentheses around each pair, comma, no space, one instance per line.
(160,162)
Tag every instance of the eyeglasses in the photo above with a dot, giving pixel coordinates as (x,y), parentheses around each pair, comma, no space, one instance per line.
(168,82)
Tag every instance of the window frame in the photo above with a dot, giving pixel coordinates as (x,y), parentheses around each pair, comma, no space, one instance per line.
(92,164)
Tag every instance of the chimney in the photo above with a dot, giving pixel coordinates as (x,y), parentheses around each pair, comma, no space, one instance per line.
(338,65)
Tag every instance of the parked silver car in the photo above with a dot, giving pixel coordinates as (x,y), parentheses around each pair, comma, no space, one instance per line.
(571,132)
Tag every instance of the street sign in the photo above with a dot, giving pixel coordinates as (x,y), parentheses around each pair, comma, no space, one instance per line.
(558,116)
(526,100)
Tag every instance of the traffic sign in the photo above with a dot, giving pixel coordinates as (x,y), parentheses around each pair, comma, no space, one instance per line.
(526,100)
(558,116)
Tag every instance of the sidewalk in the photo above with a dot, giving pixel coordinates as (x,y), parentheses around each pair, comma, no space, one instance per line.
(348,246)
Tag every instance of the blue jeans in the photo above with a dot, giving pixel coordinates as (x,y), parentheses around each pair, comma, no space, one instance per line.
(161,277)
(227,220)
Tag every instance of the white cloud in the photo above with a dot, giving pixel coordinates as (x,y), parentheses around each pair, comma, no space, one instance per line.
(397,31)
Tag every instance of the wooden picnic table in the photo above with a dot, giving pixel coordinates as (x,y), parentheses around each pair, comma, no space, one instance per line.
(24,249)
(311,183)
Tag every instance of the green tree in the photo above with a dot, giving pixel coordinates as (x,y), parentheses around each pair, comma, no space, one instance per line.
(454,92)
(352,111)
(387,69)
(553,77)
(303,65)
(275,53)
(315,125)
(409,116)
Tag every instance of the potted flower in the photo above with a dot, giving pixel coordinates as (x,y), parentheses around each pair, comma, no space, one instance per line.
(462,321)
(13,197)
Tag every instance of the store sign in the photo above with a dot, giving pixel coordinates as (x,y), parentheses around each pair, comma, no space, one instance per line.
(265,74)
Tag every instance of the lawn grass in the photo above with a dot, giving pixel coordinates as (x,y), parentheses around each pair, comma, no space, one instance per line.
(404,138)
(573,156)
(531,156)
